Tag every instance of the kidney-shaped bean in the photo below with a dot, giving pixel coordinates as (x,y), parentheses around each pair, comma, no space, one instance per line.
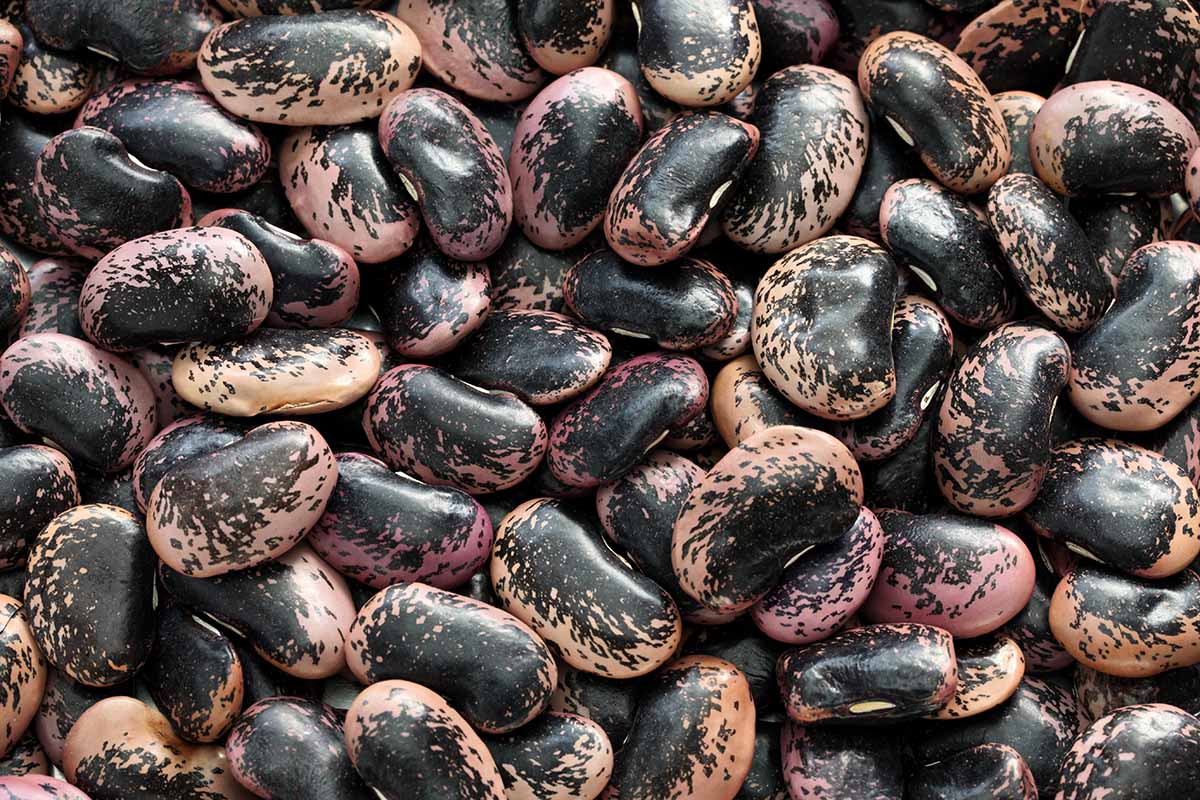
(41,485)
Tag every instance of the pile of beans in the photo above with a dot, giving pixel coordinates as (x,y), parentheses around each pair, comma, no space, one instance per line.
(574,399)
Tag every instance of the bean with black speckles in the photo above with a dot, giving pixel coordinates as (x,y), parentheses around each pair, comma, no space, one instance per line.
(258,8)
(1119,504)
(94,196)
(989,671)
(38,787)
(22,139)
(822,327)
(54,287)
(814,130)
(698,52)
(685,305)
(466,199)
(474,46)
(552,569)
(540,356)
(754,654)
(745,403)
(603,434)
(262,680)
(525,276)
(1099,694)
(244,504)
(1117,227)
(40,485)
(990,770)
(795,32)
(609,702)
(821,591)
(382,528)
(159,38)
(826,762)
(565,35)
(1030,628)
(904,76)
(48,81)
(1142,751)
(1021,44)
(334,68)
(94,405)
(178,127)
(155,364)
(693,736)
(296,610)
(1048,252)
(25,758)
(342,189)
(737,340)
(568,150)
(991,444)
(556,757)
(11,48)
(889,161)
(1137,368)
(122,748)
(445,432)
(190,284)
(194,676)
(1106,137)
(769,500)
(62,705)
(89,594)
(1126,626)
(24,669)
(487,663)
(1018,110)
(278,746)
(877,673)
(622,58)
(675,184)
(177,443)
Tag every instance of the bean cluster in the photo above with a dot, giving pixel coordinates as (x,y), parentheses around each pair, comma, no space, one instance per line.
(577,399)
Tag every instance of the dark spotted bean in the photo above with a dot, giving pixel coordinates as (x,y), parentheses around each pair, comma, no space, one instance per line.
(1100,694)
(14,290)
(488,664)
(889,160)
(1136,752)
(466,202)
(316,283)
(1031,629)
(155,364)
(194,676)
(693,736)
(122,748)
(26,758)
(989,770)
(676,183)
(602,435)
(244,504)
(745,403)
(822,327)
(89,594)
(737,341)
(24,670)
(964,575)
(177,127)
(190,284)
(991,444)
(449,433)
(30,787)
(94,405)
(93,196)
(1125,626)
(747,649)
(11,46)
(552,569)
(989,671)
(698,53)
(563,35)
(159,39)
(41,485)
(611,703)
(922,349)
(1117,227)
(622,58)
(396,730)
(685,305)
(1048,252)
(474,46)
(1135,370)
(821,591)
(524,275)
(1019,110)
(1121,505)
(22,139)
(429,302)
(814,146)
(556,757)
(342,189)
(880,672)
(54,287)
(262,680)
(1021,44)
(540,356)
(904,76)
(296,70)
(795,32)
(382,528)
(864,21)
(296,610)
(773,497)
(279,746)
(570,146)
(1105,137)
(274,371)
(947,243)
(828,763)
(176,443)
